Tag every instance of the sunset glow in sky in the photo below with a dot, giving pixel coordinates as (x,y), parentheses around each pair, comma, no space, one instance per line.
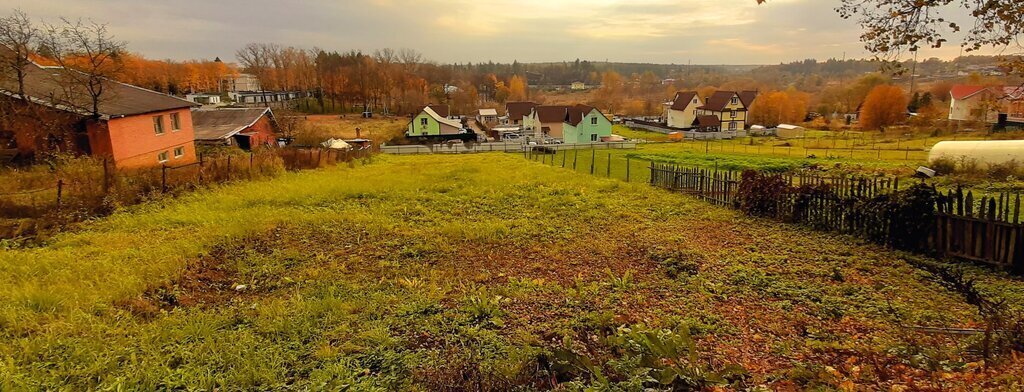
(657,31)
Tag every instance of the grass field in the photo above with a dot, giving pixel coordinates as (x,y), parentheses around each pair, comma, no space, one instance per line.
(480,272)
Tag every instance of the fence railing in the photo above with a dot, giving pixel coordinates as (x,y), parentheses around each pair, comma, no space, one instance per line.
(462,148)
(717,187)
(94,190)
(918,218)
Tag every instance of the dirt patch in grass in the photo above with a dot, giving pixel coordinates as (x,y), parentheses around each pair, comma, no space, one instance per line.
(208,281)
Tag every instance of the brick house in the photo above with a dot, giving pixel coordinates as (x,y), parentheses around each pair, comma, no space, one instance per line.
(246,128)
(134,128)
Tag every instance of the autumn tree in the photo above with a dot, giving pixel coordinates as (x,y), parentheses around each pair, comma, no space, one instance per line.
(17,34)
(885,105)
(90,56)
(778,107)
(517,88)
(611,93)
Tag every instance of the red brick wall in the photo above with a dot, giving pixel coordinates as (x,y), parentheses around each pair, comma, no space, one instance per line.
(262,133)
(133,142)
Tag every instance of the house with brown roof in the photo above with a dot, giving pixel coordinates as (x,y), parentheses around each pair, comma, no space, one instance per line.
(132,126)
(730,107)
(586,124)
(517,111)
(706,123)
(681,112)
(247,128)
(545,121)
(571,124)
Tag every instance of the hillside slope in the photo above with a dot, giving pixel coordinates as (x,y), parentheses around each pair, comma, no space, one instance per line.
(476,272)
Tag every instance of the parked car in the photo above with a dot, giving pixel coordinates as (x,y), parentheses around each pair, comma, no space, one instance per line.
(544,150)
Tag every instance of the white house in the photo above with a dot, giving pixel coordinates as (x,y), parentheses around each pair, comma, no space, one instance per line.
(973,103)
(681,112)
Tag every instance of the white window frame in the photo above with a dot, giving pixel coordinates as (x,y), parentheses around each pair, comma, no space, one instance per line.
(593,137)
(158,125)
(732,114)
(176,154)
(424,122)
(735,100)
(733,126)
(593,120)
(175,122)
(163,157)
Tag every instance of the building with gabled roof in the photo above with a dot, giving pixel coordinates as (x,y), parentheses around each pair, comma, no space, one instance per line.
(246,128)
(976,103)
(132,126)
(517,111)
(429,123)
(730,107)
(682,110)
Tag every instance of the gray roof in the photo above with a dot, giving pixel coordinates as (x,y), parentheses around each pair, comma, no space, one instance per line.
(50,86)
(220,124)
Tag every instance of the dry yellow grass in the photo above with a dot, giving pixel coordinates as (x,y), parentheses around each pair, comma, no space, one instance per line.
(316,129)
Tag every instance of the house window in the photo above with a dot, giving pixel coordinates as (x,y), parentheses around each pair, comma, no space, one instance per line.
(695,100)
(179,152)
(424,133)
(423,122)
(162,157)
(593,137)
(735,100)
(175,121)
(593,120)
(732,126)
(732,113)
(158,125)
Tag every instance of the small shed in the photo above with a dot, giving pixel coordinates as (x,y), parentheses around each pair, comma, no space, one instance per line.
(246,128)
(985,152)
(487,116)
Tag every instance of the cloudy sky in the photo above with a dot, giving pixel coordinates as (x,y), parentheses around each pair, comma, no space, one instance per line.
(657,31)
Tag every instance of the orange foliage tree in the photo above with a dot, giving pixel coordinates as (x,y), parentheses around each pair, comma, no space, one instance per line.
(885,105)
(778,107)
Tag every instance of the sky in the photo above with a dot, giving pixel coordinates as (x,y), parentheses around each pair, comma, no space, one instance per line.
(648,31)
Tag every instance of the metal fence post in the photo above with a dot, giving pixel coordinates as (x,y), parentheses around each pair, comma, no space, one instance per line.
(565,153)
(229,167)
(575,155)
(627,169)
(593,156)
(609,173)
(163,178)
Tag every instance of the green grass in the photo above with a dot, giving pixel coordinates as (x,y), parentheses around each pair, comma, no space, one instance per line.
(446,272)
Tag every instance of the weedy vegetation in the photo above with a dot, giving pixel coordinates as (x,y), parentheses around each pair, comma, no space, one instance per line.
(484,272)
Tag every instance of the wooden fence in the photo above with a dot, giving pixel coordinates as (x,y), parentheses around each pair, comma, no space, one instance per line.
(66,197)
(717,187)
(985,230)
(992,235)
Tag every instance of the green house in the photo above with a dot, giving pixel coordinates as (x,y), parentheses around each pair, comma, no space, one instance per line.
(429,123)
(585,124)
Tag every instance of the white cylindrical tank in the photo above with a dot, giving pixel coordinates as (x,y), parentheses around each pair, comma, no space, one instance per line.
(990,152)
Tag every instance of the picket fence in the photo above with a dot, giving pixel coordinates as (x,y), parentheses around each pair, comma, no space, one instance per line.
(985,229)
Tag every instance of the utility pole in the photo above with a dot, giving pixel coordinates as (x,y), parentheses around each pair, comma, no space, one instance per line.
(913,73)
